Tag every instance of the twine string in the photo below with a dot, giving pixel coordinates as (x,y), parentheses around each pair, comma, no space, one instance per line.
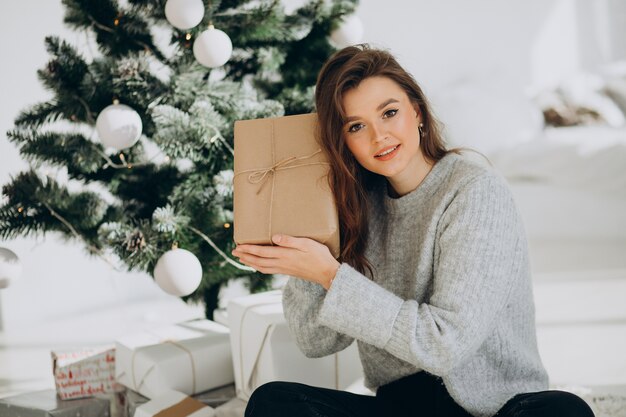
(137,387)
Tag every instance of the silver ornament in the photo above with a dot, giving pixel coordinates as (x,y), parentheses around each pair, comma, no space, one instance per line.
(178,272)
(119,126)
(212,48)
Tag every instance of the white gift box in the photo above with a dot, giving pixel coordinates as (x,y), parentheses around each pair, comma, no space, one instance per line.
(189,357)
(263,350)
(80,373)
(174,404)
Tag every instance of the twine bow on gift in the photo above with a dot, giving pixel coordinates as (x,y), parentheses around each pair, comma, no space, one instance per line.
(261,175)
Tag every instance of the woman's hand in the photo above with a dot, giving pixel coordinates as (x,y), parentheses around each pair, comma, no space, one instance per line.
(295,256)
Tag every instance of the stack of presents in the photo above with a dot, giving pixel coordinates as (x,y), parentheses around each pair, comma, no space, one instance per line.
(205,368)
(198,368)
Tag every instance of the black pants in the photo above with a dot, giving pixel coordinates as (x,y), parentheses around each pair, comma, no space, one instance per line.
(419,395)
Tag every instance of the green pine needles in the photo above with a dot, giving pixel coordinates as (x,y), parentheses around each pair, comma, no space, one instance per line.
(175,184)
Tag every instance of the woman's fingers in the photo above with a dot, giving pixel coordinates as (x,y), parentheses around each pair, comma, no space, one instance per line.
(286,241)
(259,250)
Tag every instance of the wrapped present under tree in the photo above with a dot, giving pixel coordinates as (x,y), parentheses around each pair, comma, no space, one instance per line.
(84,372)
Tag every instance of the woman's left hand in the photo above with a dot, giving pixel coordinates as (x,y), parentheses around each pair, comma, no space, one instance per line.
(295,256)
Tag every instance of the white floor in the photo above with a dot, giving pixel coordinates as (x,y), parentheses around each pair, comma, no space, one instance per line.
(581,326)
(581,319)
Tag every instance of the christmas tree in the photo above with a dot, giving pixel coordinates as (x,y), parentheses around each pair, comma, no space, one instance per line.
(143,129)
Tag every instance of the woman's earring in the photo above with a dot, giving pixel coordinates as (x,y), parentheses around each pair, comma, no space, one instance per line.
(420,129)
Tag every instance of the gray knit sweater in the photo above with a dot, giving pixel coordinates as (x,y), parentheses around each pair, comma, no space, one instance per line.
(451,294)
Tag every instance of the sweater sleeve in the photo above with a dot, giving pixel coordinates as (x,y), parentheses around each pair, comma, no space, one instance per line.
(481,247)
(302,301)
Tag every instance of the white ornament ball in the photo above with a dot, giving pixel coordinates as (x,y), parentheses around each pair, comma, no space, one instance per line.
(212,48)
(184,14)
(350,32)
(178,272)
(10,267)
(119,126)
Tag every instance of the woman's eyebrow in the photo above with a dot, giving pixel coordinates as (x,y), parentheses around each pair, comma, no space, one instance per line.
(386,102)
(380,107)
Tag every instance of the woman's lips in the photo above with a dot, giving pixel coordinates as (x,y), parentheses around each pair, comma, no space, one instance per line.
(389,155)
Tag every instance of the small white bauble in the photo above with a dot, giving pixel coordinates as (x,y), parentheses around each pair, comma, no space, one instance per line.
(10,267)
(349,32)
(184,14)
(178,272)
(119,126)
(212,48)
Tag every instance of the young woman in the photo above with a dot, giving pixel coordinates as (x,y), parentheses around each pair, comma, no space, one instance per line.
(433,281)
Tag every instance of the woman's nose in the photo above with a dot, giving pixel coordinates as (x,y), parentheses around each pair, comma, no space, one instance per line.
(377,132)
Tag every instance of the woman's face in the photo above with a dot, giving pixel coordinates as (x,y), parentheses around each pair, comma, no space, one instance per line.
(380,118)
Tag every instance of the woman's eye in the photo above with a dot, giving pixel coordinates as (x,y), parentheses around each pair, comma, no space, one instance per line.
(355,127)
(391,113)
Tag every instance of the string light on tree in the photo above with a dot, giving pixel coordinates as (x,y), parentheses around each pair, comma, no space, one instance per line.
(10,267)
(349,32)
(212,48)
(178,272)
(184,14)
(119,126)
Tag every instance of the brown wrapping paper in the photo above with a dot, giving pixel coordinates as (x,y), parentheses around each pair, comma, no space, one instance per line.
(184,408)
(281,182)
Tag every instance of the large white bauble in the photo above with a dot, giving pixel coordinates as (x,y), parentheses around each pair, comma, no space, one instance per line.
(212,48)
(184,14)
(350,32)
(10,267)
(119,126)
(178,272)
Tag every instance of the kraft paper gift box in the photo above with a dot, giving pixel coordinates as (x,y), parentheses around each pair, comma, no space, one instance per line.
(264,351)
(80,373)
(47,404)
(281,182)
(174,404)
(189,357)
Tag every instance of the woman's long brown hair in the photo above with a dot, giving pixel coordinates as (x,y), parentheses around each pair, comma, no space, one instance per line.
(348,180)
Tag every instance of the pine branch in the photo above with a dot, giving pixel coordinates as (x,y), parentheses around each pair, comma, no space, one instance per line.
(66,70)
(15,224)
(67,76)
(135,243)
(220,5)
(118,32)
(142,189)
(265,23)
(41,113)
(133,83)
(82,157)
(33,202)
(154,9)
(195,135)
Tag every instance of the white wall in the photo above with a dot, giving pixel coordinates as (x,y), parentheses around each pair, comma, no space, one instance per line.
(441,42)
(523,42)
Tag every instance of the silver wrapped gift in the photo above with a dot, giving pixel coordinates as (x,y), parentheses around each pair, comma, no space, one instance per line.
(47,404)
